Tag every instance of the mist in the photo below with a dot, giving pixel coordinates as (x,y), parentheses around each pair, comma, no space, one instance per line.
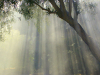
(47,45)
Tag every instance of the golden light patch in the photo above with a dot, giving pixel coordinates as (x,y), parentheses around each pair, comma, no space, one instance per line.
(12,68)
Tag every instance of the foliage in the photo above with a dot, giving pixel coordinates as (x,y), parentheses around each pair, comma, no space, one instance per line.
(87,7)
(27,10)
(28,7)
(30,10)
(6,18)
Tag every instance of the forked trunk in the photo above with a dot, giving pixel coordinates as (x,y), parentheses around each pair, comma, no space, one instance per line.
(64,14)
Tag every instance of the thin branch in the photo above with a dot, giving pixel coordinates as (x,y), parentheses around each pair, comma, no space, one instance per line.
(48,10)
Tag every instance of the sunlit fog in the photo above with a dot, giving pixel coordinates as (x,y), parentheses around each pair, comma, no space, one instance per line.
(48,45)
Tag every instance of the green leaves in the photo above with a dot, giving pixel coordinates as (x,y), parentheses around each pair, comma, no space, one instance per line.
(26,10)
(6,18)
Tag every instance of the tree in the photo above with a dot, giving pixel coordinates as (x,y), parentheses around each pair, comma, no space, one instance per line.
(59,8)
(62,12)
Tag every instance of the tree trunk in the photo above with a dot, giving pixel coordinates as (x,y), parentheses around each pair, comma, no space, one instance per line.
(64,14)
(87,39)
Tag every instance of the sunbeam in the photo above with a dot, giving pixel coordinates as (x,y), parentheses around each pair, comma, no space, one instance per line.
(48,45)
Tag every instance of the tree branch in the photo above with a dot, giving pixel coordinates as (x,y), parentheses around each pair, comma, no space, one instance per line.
(70,7)
(48,10)
(59,12)
(64,11)
(62,6)
(75,4)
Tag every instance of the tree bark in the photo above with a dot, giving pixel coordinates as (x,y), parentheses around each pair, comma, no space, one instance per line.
(86,38)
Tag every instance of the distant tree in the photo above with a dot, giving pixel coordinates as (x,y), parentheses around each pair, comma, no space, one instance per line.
(63,9)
